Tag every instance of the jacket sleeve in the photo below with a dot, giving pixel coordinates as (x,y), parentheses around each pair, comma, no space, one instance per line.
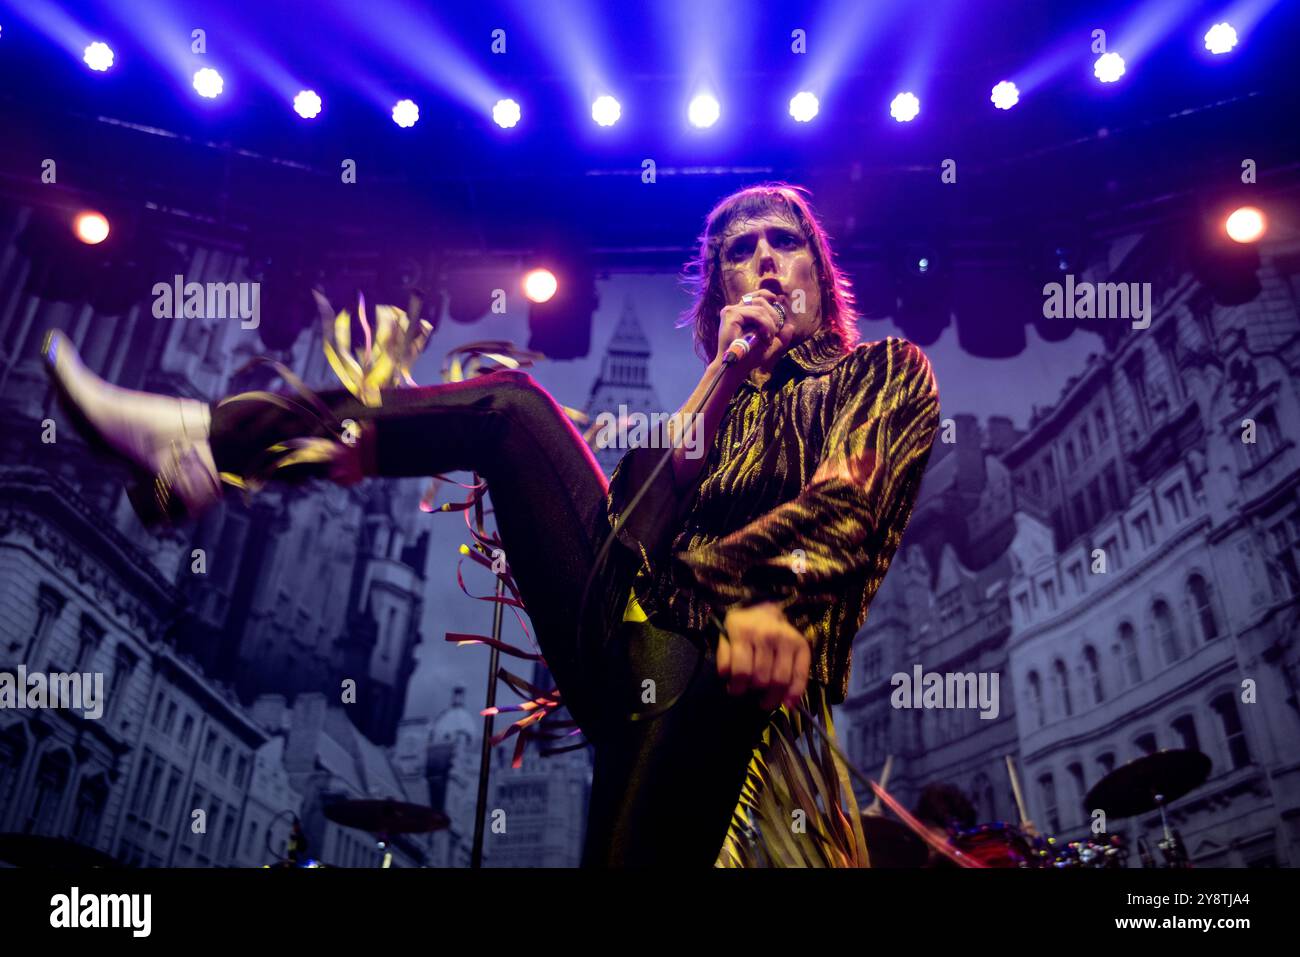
(870,467)
(649,528)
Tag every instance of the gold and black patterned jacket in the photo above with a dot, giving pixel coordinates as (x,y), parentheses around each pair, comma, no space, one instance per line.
(802,500)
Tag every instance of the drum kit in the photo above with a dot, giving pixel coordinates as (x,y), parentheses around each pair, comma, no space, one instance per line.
(383,819)
(1144,785)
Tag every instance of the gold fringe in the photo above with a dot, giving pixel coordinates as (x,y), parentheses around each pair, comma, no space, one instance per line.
(797,807)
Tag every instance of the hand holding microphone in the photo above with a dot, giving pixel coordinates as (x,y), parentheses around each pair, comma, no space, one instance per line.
(754,332)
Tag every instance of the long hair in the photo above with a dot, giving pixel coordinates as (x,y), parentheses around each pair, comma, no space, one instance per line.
(703,275)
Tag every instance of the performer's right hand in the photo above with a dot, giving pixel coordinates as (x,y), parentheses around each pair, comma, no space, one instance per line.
(759,316)
(761,651)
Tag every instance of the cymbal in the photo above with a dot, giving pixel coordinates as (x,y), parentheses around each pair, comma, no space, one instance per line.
(36,851)
(1132,788)
(387,816)
(892,843)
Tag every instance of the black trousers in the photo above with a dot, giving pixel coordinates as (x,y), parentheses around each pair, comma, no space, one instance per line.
(665,779)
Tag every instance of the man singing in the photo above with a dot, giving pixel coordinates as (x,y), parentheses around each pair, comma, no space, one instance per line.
(781,533)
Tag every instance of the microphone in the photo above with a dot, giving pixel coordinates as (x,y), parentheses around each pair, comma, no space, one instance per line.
(740,347)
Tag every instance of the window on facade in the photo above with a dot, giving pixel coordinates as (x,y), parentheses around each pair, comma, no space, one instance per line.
(1093,667)
(1136,373)
(1080,788)
(169,723)
(241,771)
(187,729)
(1267,438)
(1106,762)
(1129,649)
(1076,578)
(1143,525)
(1166,634)
(1063,686)
(1095,499)
(1177,500)
(1047,794)
(1085,440)
(124,662)
(49,604)
(1049,593)
(209,745)
(1103,430)
(169,798)
(1022,602)
(1284,547)
(1114,560)
(1080,513)
(51,780)
(1234,735)
(141,781)
(1111,478)
(1185,728)
(88,640)
(155,718)
(1146,744)
(91,797)
(1036,698)
(223,768)
(1071,459)
(1198,597)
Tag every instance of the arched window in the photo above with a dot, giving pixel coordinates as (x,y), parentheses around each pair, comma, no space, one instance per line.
(1036,698)
(1094,673)
(1198,597)
(1234,735)
(1166,636)
(91,797)
(1063,686)
(51,780)
(1129,649)
(13,749)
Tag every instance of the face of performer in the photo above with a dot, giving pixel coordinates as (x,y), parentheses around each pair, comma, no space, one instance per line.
(770,252)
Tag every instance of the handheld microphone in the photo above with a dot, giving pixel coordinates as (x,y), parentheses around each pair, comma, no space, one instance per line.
(740,347)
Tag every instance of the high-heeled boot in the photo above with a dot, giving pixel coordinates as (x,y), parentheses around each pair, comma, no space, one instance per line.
(163,439)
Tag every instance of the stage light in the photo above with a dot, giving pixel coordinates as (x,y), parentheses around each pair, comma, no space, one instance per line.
(307,104)
(922,264)
(98,56)
(703,111)
(506,113)
(405,113)
(1246,224)
(1220,38)
(208,82)
(540,285)
(804,106)
(905,107)
(1109,67)
(90,227)
(606,110)
(1005,95)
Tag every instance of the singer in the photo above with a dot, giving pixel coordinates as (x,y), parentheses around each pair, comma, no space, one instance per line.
(781,533)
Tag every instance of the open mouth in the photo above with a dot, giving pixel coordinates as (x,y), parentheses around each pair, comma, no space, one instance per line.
(773,286)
